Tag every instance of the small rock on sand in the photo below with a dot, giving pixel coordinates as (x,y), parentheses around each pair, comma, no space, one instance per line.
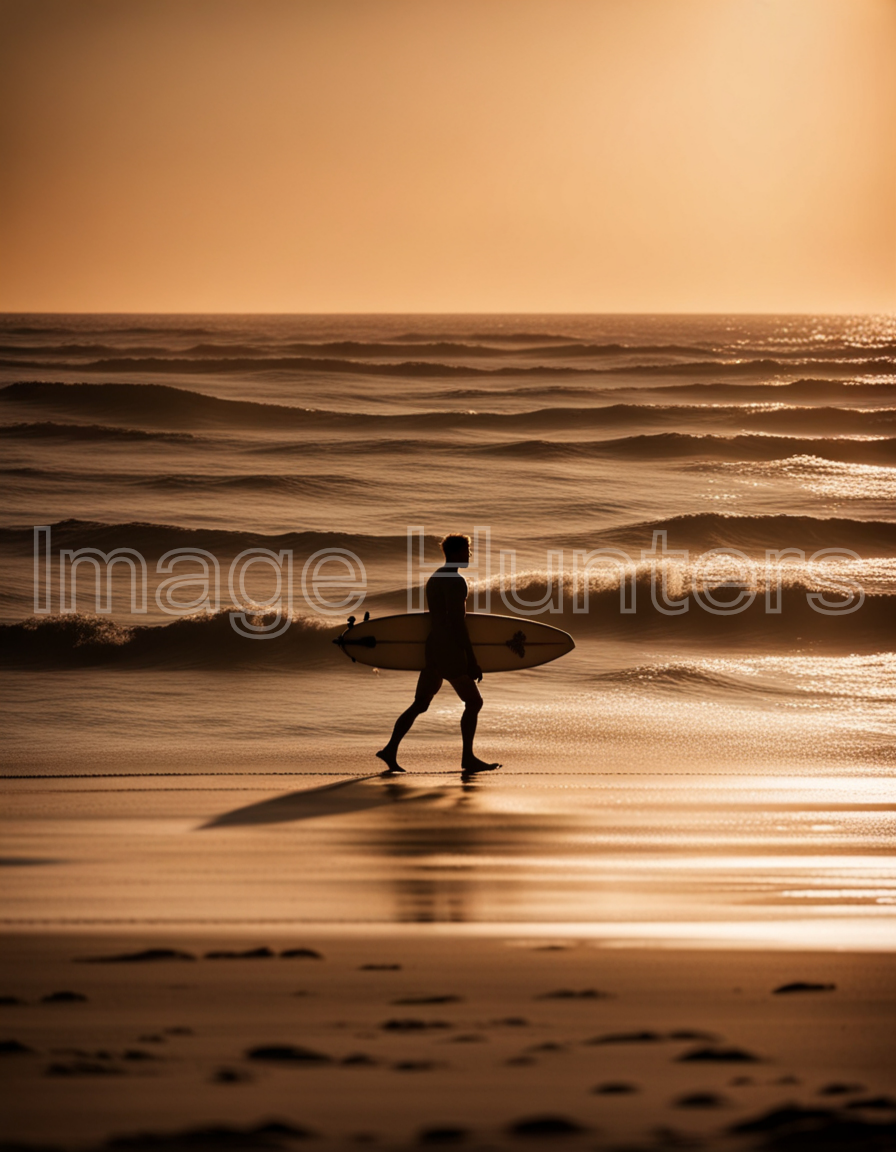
(379,968)
(411,1024)
(443,1135)
(14,1048)
(10,1001)
(614,1088)
(803,986)
(230,1076)
(300,954)
(147,955)
(838,1089)
(546,1127)
(571,994)
(82,1068)
(719,1055)
(875,1103)
(626,1038)
(248,954)
(429,1000)
(287,1054)
(701,1100)
(64,998)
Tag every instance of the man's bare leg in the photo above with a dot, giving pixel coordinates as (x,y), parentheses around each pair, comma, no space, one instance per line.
(472,698)
(428,684)
(403,725)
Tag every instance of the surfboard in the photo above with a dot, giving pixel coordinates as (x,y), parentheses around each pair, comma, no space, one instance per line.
(501,643)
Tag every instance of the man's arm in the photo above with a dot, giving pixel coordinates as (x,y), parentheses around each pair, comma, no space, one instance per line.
(472,663)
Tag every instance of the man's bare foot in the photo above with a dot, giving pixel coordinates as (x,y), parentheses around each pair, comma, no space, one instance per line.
(388,758)
(474,764)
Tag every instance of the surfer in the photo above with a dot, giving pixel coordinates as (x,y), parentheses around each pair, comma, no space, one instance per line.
(449,656)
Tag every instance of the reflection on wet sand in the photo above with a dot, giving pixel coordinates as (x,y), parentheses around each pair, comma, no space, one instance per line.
(501,849)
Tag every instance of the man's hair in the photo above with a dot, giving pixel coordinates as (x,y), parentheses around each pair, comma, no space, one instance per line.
(454,543)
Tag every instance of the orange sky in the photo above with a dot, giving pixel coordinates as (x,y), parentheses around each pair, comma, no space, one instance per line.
(448,155)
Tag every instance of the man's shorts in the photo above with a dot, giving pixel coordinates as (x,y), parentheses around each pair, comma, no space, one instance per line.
(430,681)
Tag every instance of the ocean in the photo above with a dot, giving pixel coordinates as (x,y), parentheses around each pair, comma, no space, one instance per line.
(706,503)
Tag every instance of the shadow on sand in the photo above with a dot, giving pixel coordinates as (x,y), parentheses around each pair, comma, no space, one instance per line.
(340,799)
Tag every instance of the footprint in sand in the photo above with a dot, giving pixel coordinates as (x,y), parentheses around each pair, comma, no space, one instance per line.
(803,986)
(413,1025)
(248,954)
(546,1126)
(626,1038)
(719,1055)
(148,955)
(287,1054)
(408,1000)
(571,994)
(443,1135)
(700,1100)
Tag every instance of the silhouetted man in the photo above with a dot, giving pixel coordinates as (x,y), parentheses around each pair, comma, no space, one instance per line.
(449,656)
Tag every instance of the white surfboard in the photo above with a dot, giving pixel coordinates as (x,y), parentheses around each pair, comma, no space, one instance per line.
(501,643)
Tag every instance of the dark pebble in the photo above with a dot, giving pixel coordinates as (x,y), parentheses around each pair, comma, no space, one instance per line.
(14,1048)
(83,1068)
(380,968)
(545,1126)
(882,1103)
(287,1054)
(837,1089)
(430,1000)
(358,1060)
(803,986)
(10,1001)
(413,1025)
(571,994)
(614,1088)
(64,998)
(512,1022)
(249,954)
(719,1055)
(230,1076)
(443,1135)
(626,1038)
(701,1100)
(694,1035)
(300,954)
(788,1116)
(147,955)
(415,1066)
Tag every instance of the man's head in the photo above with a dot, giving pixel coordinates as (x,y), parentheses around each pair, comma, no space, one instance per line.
(457,549)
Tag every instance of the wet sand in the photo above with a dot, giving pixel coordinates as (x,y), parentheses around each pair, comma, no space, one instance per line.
(509,963)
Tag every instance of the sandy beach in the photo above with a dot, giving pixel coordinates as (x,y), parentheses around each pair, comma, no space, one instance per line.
(434,1037)
(230,964)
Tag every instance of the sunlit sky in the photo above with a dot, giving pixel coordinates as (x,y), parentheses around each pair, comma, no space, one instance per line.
(448,155)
